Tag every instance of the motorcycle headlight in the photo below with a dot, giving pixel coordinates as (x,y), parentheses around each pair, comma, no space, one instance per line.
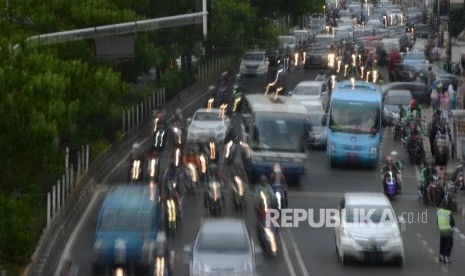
(271,238)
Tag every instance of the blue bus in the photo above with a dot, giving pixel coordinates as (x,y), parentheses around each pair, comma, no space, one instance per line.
(354,124)
(127,234)
(277,130)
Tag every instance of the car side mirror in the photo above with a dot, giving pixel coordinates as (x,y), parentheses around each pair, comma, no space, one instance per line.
(289,93)
(189,120)
(258,255)
(402,223)
(187,252)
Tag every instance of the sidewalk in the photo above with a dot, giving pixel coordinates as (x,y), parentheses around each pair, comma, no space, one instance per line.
(460,198)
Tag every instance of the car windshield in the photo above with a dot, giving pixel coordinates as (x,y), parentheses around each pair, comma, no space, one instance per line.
(253,56)
(355,117)
(369,214)
(397,99)
(126,220)
(283,132)
(306,90)
(223,243)
(207,116)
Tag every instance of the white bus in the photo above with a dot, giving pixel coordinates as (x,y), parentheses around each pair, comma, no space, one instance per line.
(277,130)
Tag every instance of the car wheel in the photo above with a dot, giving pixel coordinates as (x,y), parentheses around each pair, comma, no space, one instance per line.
(399,261)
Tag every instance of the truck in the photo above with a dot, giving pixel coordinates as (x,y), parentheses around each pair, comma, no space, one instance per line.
(128,238)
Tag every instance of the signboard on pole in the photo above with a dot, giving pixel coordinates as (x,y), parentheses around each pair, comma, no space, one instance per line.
(118,46)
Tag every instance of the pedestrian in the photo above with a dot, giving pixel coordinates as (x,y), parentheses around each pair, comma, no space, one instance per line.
(429,78)
(433,128)
(434,98)
(452,97)
(446,222)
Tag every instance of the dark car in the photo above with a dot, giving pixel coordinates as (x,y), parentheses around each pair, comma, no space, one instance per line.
(391,103)
(316,57)
(419,91)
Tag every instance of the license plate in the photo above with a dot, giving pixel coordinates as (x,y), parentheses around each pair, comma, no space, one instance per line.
(352,156)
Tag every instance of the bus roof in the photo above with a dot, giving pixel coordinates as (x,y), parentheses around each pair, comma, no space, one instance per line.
(129,197)
(266,103)
(363,90)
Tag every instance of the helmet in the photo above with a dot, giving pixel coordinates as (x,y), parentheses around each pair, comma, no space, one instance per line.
(394,154)
(178,112)
(213,168)
(263,179)
(413,103)
(277,168)
(389,159)
(431,163)
(442,129)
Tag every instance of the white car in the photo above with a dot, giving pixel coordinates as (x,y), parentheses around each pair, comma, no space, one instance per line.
(254,63)
(368,229)
(207,124)
(310,90)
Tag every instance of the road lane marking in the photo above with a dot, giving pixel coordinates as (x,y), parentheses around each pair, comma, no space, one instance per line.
(78,229)
(290,267)
(419,235)
(431,251)
(425,243)
(300,260)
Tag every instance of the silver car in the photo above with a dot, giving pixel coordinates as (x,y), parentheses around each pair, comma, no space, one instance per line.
(221,247)
(368,229)
(207,124)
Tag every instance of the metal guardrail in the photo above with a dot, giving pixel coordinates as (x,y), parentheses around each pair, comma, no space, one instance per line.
(55,236)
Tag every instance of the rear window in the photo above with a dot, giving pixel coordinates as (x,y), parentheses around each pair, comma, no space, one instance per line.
(307,90)
(219,243)
(398,99)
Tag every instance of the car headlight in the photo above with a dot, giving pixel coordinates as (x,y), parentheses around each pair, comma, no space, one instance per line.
(395,235)
(331,148)
(373,152)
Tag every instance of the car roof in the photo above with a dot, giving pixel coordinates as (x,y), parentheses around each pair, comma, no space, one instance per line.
(206,110)
(399,92)
(128,197)
(223,225)
(310,83)
(366,198)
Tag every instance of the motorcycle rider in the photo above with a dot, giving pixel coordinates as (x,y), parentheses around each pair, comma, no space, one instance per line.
(214,175)
(191,158)
(277,178)
(426,176)
(389,166)
(400,167)
(170,178)
(414,110)
(160,114)
(264,186)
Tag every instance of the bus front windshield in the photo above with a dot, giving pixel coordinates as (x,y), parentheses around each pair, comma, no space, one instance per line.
(354,117)
(281,132)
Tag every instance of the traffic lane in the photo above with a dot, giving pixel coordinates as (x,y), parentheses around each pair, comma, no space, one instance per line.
(252,85)
(318,249)
(193,213)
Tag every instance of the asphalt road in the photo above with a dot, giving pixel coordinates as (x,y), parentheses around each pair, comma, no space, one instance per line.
(305,250)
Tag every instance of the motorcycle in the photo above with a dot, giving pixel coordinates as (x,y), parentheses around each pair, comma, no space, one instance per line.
(450,191)
(457,172)
(397,128)
(215,199)
(390,182)
(159,140)
(153,168)
(172,209)
(177,134)
(135,173)
(193,179)
(268,234)
(279,191)
(239,193)
(177,156)
(416,151)
(434,190)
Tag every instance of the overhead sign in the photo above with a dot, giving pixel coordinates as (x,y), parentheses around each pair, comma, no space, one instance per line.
(118,46)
